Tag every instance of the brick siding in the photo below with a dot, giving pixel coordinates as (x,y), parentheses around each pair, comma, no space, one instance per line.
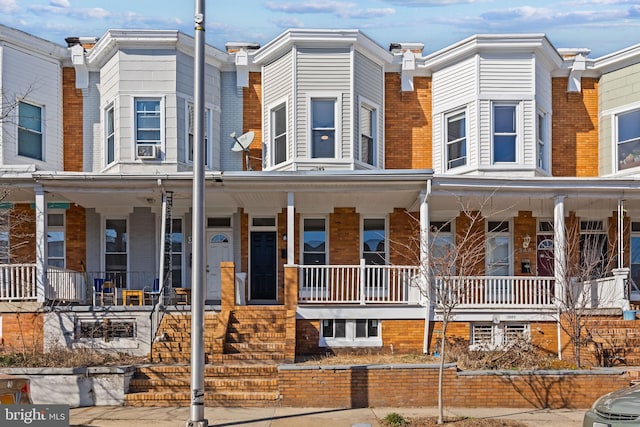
(72,121)
(252,118)
(22,332)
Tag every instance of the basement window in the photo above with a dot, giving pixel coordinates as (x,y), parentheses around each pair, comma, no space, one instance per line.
(107,330)
(350,333)
(497,336)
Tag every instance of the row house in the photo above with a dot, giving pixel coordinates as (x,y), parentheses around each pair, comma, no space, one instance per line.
(337,171)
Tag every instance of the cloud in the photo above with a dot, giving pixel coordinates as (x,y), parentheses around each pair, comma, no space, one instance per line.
(60,3)
(369,13)
(8,6)
(81,13)
(321,6)
(429,3)
(285,23)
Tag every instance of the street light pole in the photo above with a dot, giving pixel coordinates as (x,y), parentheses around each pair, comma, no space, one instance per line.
(198,274)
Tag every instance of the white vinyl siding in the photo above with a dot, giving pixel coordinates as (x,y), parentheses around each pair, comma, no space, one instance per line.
(321,71)
(37,80)
(507,75)
(277,84)
(369,85)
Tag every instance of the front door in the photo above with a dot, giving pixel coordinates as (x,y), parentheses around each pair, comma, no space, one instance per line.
(263,279)
(219,249)
(544,248)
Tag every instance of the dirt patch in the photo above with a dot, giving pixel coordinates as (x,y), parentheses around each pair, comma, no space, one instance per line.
(458,422)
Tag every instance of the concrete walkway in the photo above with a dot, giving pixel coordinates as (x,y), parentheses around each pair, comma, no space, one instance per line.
(120,416)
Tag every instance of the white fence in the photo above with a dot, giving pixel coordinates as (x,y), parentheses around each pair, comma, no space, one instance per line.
(17,282)
(66,285)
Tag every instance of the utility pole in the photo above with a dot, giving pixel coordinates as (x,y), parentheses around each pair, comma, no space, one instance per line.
(198,274)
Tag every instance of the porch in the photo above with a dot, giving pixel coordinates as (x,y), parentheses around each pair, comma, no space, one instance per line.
(326,285)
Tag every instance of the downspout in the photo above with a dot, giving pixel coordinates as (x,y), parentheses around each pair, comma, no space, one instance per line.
(425,273)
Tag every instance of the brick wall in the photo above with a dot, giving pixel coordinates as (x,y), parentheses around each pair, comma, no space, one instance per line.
(76,237)
(252,118)
(380,386)
(72,121)
(22,331)
(524,224)
(404,237)
(407,124)
(403,336)
(575,129)
(23,231)
(344,235)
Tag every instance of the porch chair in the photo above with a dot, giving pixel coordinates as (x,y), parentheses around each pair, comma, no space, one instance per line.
(152,294)
(109,294)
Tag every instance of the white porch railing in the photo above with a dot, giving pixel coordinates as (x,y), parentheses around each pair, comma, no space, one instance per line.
(17,282)
(65,285)
(359,284)
(485,291)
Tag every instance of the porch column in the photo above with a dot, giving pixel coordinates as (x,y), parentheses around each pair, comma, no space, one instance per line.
(41,243)
(291,237)
(425,291)
(559,246)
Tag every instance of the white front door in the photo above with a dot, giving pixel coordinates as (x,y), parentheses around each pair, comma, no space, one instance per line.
(219,249)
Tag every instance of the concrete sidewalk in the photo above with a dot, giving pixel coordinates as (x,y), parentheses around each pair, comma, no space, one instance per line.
(121,416)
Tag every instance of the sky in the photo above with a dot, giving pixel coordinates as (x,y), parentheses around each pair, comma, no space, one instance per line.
(604,26)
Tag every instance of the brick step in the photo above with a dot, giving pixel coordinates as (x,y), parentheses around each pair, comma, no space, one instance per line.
(248,328)
(212,385)
(258,317)
(263,357)
(209,370)
(255,337)
(210,399)
(253,347)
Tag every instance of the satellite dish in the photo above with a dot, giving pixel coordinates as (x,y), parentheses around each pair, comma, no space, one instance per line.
(242,143)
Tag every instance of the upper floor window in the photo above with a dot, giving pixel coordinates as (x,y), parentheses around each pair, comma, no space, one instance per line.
(368,135)
(456,139)
(191,133)
(30,138)
(541,150)
(628,139)
(148,131)
(323,127)
(110,134)
(504,133)
(279,134)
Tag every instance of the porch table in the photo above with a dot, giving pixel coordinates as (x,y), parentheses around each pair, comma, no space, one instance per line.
(130,295)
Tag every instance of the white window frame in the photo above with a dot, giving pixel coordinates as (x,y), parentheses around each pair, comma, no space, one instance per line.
(350,339)
(373,109)
(63,229)
(337,122)
(189,137)
(492,234)
(161,142)
(275,107)
(110,134)
(499,334)
(443,234)
(104,244)
(384,218)
(446,118)
(542,141)
(40,133)
(517,134)
(631,159)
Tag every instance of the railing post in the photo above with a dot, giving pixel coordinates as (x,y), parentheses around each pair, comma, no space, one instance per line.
(363,281)
(291,287)
(227,285)
(41,245)
(618,297)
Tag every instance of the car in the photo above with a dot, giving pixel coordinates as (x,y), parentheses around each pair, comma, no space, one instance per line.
(620,408)
(15,390)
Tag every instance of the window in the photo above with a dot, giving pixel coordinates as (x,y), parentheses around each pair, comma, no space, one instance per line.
(494,336)
(628,139)
(443,254)
(635,252)
(115,254)
(541,151)
(148,122)
(4,237)
(504,133)
(107,330)
(373,241)
(110,134)
(593,249)
(498,248)
(350,333)
(191,133)
(55,240)
(174,238)
(30,131)
(314,241)
(456,138)
(323,128)
(368,136)
(279,134)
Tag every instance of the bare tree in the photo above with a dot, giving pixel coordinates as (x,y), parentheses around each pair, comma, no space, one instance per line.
(590,257)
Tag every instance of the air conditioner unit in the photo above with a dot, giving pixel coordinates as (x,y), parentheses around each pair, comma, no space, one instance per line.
(147,151)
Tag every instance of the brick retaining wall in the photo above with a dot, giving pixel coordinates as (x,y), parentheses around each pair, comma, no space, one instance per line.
(416,385)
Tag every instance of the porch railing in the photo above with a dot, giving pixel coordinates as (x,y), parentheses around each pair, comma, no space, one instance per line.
(17,282)
(67,285)
(359,284)
(494,291)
